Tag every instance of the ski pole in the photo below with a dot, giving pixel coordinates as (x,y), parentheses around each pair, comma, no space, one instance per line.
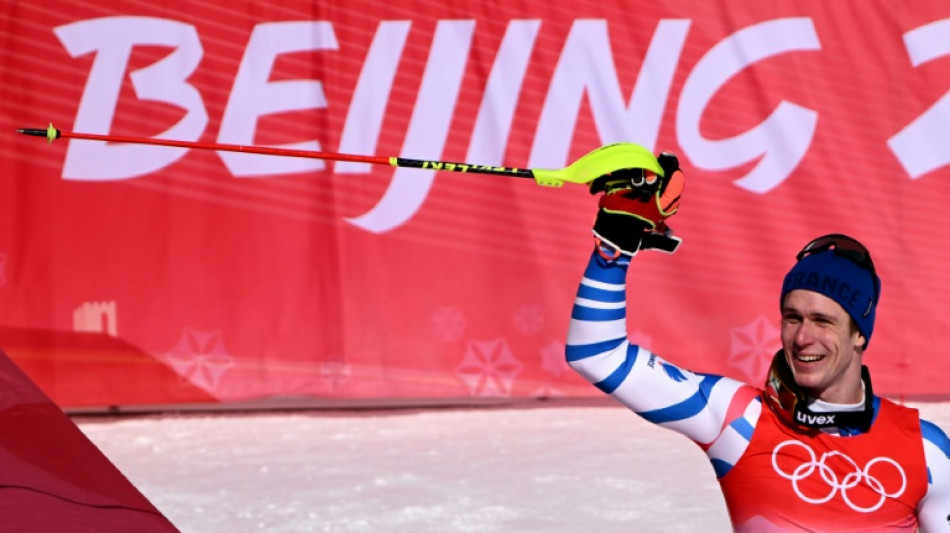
(598,162)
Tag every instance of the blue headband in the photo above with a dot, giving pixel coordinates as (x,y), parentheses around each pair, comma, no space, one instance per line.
(840,279)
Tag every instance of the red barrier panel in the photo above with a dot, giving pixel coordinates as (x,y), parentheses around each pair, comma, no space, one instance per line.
(53,478)
(233,277)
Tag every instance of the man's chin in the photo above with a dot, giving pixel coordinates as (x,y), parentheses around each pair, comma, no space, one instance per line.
(807,378)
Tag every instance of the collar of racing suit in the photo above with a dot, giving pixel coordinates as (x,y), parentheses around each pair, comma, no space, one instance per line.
(791,402)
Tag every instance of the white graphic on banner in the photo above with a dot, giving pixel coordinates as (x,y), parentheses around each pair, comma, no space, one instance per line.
(489,368)
(529,319)
(586,67)
(554,364)
(921,147)
(553,361)
(254,95)
(96,317)
(585,74)
(112,39)
(201,358)
(502,90)
(428,128)
(856,476)
(335,371)
(782,139)
(752,347)
(431,117)
(448,323)
(364,118)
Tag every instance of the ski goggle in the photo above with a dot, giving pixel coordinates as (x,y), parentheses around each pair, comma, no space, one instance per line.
(847,247)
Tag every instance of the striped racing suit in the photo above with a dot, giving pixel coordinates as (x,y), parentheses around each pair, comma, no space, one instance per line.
(894,477)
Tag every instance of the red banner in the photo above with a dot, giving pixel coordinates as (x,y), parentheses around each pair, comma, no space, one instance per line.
(137,274)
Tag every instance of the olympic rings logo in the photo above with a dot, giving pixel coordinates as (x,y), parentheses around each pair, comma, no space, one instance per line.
(850,480)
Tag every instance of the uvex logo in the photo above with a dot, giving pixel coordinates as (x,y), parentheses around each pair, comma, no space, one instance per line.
(813,420)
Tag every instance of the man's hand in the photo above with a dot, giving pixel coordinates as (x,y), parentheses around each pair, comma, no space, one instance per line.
(636,203)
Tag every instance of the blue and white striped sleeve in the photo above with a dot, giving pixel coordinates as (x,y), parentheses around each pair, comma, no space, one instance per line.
(700,406)
(933,511)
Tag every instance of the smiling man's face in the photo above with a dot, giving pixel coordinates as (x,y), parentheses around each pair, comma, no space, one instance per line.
(822,347)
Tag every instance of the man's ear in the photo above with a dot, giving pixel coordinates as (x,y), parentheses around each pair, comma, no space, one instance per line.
(860,340)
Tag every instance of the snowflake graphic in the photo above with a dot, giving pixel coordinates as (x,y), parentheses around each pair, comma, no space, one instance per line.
(753,346)
(201,358)
(488,368)
(335,370)
(448,324)
(552,359)
(529,318)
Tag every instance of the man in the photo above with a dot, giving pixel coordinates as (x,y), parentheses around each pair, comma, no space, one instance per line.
(813,449)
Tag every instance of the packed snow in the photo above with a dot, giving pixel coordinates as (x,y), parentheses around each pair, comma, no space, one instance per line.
(544,468)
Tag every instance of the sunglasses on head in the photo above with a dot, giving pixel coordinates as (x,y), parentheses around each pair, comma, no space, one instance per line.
(843,246)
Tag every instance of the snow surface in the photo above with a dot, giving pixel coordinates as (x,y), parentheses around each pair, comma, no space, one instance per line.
(522,469)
